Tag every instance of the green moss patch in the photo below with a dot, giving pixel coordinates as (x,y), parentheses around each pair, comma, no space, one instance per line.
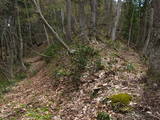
(120,102)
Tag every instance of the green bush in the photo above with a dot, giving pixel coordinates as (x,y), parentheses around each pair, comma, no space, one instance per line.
(51,52)
(80,59)
(103,116)
(21,76)
(82,55)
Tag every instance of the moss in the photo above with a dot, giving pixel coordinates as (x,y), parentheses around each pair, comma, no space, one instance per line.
(120,102)
(103,116)
(122,98)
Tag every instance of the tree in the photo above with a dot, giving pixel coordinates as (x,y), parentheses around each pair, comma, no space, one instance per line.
(82,20)
(94,16)
(116,20)
(37,4)
(21,40)
(154,54)
(69,18)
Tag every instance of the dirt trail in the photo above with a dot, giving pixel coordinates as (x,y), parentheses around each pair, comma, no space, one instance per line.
(28,91)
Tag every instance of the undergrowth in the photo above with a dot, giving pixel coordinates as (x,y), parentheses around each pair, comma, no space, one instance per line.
(103,116)
(41,113)
(80,60)
(114,44)
(72,67)
(6,83)
(52,51)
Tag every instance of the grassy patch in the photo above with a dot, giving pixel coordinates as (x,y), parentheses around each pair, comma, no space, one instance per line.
(42,113)
(114,44)
(6,83)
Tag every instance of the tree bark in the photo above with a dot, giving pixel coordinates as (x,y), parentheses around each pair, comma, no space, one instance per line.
(82,20)
(108,16)
(116,21)
(62,21)
(130,27)
(94,16)
(21,40)
(69,18)
(154,45)
(149,31)
(46,34)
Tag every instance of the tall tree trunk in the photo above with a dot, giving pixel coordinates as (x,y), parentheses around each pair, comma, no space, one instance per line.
(11,55)
(149,31)
(82,20)
(154,45)
(46,34)
(69,18)
(108,14)
(29,23)
(62,20)
(144,28)
(131,26)
(94,16)
(116,20)
(21,40)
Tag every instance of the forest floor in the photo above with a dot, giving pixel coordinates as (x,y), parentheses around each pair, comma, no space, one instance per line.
(40,97)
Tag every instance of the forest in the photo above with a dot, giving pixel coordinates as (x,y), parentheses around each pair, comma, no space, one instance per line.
(79,60)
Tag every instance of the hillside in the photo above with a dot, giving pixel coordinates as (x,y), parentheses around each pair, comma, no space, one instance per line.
(79,60)
(42,96)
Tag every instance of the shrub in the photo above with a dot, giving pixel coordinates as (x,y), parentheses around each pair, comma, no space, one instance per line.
(80,59)
(82,55)
(20,76)
(103,116)
(51,52)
